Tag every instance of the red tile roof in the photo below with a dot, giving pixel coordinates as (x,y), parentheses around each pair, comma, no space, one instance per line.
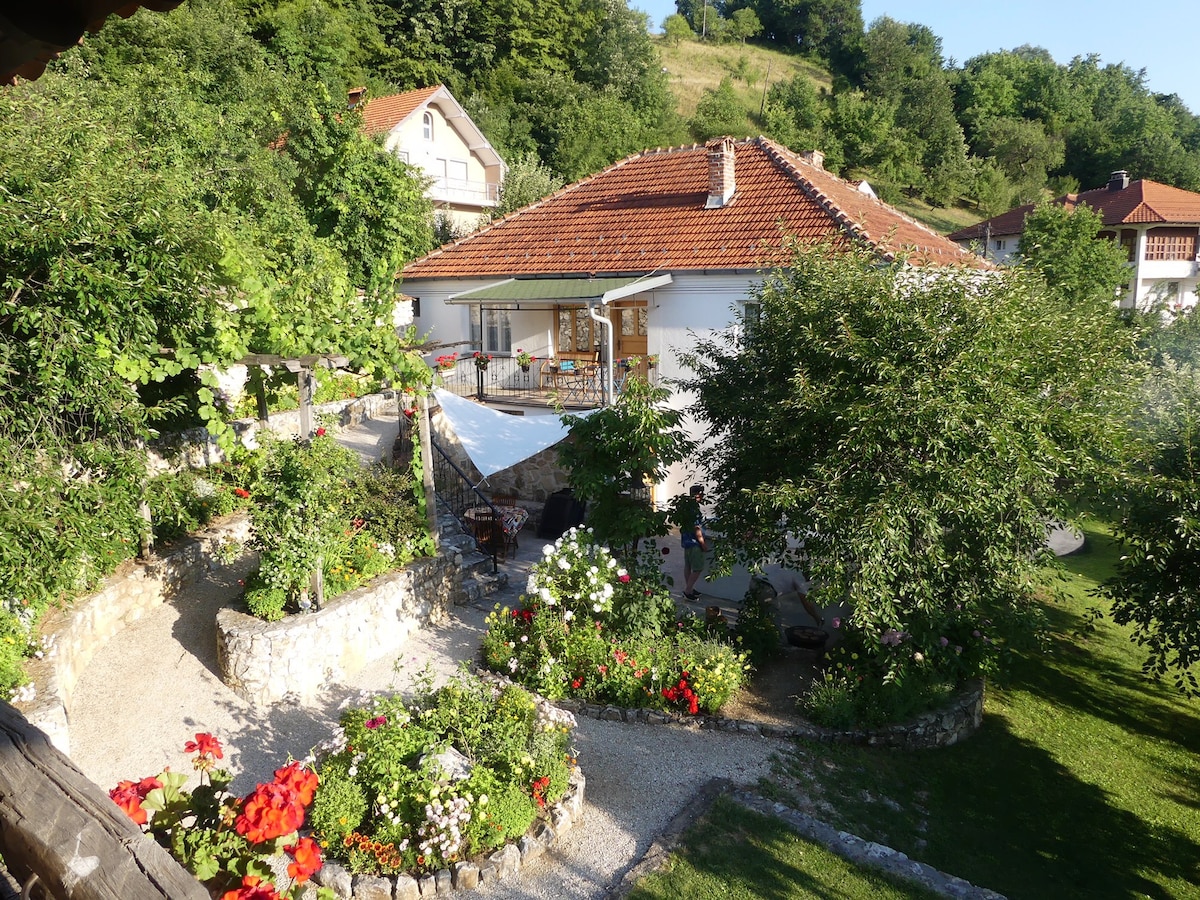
(382,114)
(647,213)
(1143,201)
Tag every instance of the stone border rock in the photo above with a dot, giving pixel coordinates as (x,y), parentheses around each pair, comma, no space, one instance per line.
(466,876)
(296,657)
(957,720)
(82,628)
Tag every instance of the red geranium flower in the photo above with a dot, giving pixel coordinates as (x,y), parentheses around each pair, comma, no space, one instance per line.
(308,860)
(206,745)
(624,579)
(301,780)
(272,811)
(241,492)
(253,888)
(129,797)
(320,432)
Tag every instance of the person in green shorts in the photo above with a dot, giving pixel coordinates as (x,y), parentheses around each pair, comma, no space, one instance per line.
(695,545)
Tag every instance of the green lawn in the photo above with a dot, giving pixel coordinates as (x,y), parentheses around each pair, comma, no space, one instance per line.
(1084,781)
(736,853)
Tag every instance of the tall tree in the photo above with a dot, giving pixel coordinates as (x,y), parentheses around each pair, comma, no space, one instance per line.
(916,431)
(1064,247)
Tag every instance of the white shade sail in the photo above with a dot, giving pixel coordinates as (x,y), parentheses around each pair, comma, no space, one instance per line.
(495,440)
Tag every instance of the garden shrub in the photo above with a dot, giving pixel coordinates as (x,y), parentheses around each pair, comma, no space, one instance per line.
(756,631)
(589,629)
(315,505)
(448,774)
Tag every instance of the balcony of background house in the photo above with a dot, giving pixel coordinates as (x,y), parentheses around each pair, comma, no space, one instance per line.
(463,191)
(538,385)
(1170,253)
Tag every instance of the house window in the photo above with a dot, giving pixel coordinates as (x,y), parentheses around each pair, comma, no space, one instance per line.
(1129,242)
(491,330)
(1001,244)
(456,171)
(1171,244)
(633,322)
(575,330)
(427,126)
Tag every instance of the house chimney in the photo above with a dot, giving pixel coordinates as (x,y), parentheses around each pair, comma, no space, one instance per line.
(816,157)
(721,184)
(1118,181)
(355,96)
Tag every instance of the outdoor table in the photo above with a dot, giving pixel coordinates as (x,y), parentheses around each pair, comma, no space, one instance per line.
(512,518)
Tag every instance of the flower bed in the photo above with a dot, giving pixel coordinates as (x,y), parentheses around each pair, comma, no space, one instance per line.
(419,787)
(591,630)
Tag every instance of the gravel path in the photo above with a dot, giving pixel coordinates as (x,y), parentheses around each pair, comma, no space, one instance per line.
(153,686)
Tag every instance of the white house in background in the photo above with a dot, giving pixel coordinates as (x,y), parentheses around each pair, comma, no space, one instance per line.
(1156,224)
(648,254)
(428,129)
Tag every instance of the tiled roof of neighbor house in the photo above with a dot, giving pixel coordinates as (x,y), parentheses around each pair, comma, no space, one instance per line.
(1143,201)
(382,114)
(648,213)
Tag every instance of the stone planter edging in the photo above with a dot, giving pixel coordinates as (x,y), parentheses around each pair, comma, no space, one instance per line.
(957,720)
(81,629)
(466,876)
(296,657)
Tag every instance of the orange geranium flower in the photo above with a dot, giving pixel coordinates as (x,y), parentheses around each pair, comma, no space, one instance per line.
(272,811)
(308,860)
(301,780)
(129,797)
(253,888)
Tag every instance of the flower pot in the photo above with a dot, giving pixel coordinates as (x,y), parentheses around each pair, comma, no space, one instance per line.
(525,368)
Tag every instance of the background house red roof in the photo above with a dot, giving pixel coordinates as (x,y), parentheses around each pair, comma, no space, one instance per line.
(382,114)
(648,213)
(1140,202)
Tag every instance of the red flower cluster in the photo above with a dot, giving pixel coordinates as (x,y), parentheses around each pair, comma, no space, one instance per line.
(624,579)
(320,432)
(253,888)
(207,748)
(681,693)
(446,362)
(307,856)
(301,780)
(538,788)
(241,492)
(374,723)
(525,615)
(129,797)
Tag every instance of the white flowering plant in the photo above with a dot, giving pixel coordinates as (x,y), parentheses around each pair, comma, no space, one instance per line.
(590,629)
(414,785)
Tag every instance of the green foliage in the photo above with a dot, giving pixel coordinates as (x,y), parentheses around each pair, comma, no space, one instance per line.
(677,28)
(526,180)
(316,506)
(616,452)
(1063,247)
(718,113)
(757,631)
(1156,587)
(852,411)
(451,773)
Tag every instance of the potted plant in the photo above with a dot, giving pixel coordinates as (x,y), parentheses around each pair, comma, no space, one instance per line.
(652,360)
(446,362)
(630,362)
(524,359)
(482,360)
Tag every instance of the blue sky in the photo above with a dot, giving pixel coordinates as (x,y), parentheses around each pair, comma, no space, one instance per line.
(1161,38)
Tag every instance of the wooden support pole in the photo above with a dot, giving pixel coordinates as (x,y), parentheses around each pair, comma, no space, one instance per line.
(304,383)
(427,469)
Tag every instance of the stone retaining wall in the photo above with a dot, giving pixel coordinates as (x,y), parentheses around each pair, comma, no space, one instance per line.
(298,656)
(467,876)
(77,632)
(956,720)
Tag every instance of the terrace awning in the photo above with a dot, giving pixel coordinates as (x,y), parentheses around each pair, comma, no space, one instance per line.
(561,291)
(496,440)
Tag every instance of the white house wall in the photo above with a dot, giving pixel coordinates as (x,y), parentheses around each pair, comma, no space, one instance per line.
(692,306)
(464,199)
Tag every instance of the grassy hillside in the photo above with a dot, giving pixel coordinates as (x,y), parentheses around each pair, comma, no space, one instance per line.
(695,66)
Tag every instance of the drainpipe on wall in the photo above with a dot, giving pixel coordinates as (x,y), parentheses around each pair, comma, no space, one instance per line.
(608,344)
